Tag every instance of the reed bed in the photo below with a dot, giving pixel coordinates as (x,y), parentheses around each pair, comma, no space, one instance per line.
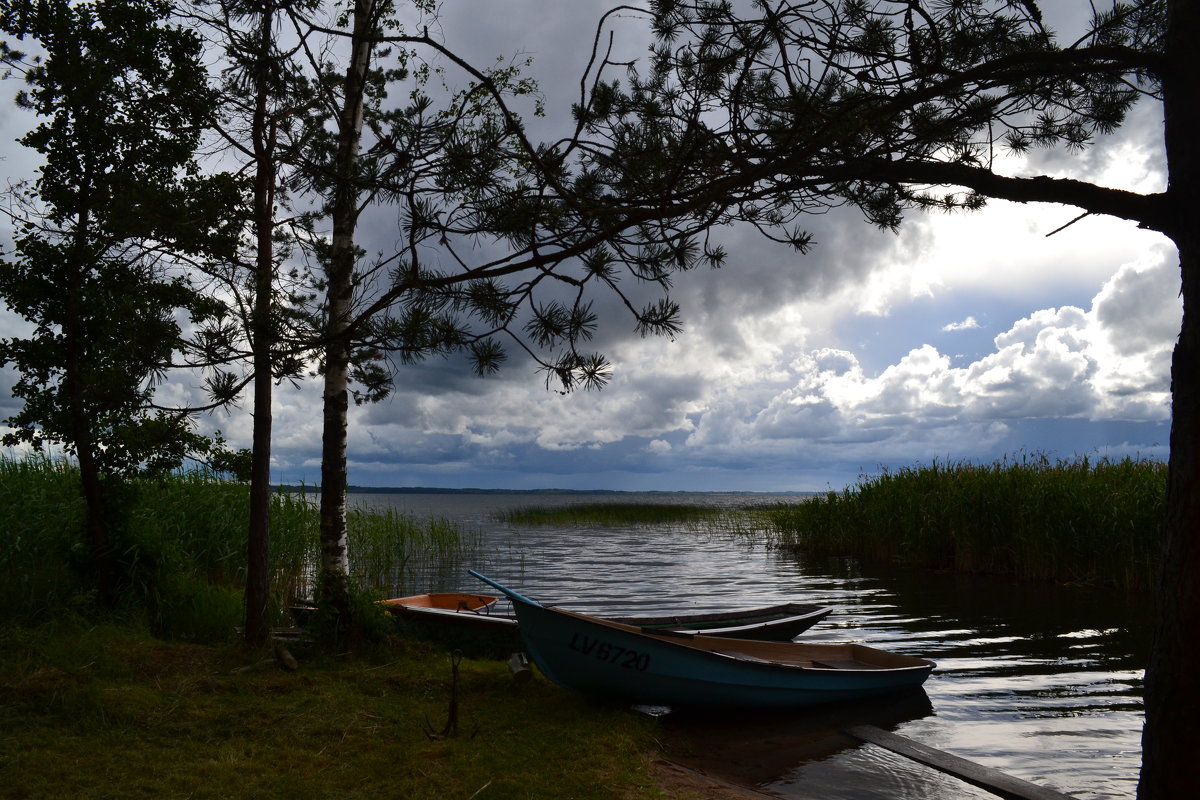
(1086,521)
(182,548)
(39,500)
(612,514)
(391,549)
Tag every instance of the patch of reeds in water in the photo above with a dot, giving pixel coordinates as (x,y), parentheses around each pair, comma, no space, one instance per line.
(1084,521)
(612,514)
(182,548)
(390,549)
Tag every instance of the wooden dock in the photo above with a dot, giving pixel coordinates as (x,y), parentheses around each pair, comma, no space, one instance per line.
(987,778)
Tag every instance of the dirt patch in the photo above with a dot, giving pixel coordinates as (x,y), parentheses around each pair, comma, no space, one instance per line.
(154,661)
(38,687)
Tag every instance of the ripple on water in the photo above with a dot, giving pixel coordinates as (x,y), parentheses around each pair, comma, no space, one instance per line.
(870,772)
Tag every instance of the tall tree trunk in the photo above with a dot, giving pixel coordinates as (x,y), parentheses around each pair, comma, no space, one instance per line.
(95,509)
(262,345)
(339,297)
(100,544)
(82,440)
(1171,739)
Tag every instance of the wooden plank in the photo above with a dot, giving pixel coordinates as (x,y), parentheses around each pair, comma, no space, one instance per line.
(975,774)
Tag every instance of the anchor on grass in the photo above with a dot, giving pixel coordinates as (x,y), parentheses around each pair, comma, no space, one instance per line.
(451,728)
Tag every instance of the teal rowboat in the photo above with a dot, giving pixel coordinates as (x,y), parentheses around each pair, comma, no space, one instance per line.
(600,657)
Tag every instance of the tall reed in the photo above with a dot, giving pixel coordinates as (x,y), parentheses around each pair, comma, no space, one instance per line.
(39,555)
(182,549)
(1087,521)
(391,550)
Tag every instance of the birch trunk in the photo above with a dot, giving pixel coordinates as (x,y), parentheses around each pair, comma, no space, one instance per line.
(339,299)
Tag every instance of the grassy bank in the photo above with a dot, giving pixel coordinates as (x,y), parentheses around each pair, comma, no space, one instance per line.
(181,546)
(108,711)
(1087,521)
(157,699)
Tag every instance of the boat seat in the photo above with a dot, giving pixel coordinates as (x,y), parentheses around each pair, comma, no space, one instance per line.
(848,663)
(739,655)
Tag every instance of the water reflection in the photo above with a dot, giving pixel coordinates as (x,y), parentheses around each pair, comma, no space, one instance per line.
(761,748)
(870,773)
(1040,681)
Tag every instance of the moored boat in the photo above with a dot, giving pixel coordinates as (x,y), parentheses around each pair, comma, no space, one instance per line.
(437,603)
(602,657)
(454,617)
(458,620)
(774,623)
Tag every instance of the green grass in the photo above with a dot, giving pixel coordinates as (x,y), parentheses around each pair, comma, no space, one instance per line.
(106,711)
(612,514)
(182,551)
(1084,521)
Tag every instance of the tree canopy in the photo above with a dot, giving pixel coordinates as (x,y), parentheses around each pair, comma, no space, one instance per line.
(764,111)
(122,97)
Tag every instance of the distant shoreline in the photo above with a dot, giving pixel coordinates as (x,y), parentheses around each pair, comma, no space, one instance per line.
(582,492)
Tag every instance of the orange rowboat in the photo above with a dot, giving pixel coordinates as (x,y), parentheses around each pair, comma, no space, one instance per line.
(451,602)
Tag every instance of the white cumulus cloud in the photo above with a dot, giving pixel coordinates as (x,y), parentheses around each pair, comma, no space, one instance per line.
(967,324)
(1109,362)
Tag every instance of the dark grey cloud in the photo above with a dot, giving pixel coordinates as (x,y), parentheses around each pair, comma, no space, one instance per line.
(557,36)
(9,405)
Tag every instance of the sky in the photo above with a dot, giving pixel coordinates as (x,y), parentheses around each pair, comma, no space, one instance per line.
(964,337)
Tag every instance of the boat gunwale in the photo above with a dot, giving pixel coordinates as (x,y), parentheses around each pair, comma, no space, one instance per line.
(736,649)
(752,619)
(776,612)
(767,619)
(485,601)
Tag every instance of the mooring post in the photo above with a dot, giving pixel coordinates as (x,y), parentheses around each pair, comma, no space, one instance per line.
(518,665)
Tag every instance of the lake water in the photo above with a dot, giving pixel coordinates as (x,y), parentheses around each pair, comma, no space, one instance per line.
(1040,681)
